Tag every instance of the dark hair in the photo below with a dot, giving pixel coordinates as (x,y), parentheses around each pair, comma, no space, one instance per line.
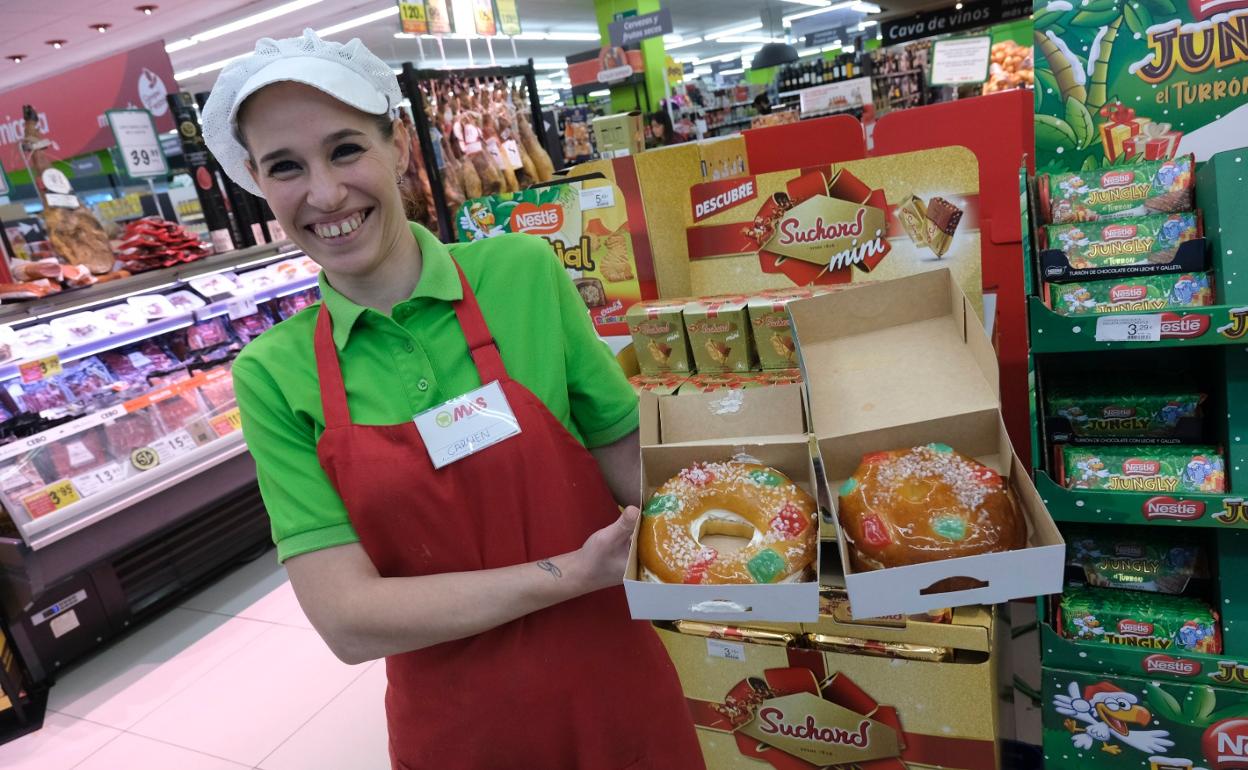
(662,118)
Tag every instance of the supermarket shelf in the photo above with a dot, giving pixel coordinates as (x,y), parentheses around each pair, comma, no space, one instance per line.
(1169,665)
(75,517)
(1153,508)
(902,74)
(74,300)
(163,326)
(837,111)
(1190,327)
(798,91)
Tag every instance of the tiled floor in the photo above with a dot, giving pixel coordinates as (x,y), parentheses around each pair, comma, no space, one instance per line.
(234,678)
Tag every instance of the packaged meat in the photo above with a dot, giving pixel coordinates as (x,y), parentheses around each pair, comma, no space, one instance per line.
(218,392)
(255,280)
(185,301)
(79,275)
(89,382)
(121,318)
(309,265)
(19,479)
(217,286)
(208,334)
(252,326)
(180,410)
(74,454)
(28,290)
(11,348)
(39,396)
(162,360)
(27,270)
(80,327)
(288,306)
(131,432)
(153,306)
(289,270)
(40,340)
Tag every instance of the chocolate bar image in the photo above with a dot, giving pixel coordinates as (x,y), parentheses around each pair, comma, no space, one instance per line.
(943,219)
(913,217)
(718,350)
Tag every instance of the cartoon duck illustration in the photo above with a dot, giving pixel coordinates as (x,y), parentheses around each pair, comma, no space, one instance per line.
(1073,237)
(478,220)
(1078,299)
(1089,627)
(1073,186)
(1090,470)
(1108,713)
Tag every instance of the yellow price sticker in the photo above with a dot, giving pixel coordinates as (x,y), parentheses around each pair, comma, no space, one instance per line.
(38,369)
(413,19)
(51,498)
(228,422)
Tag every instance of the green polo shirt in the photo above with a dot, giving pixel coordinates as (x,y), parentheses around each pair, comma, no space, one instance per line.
(396,366)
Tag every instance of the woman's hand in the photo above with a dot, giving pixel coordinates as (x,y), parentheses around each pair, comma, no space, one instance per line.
(605,554)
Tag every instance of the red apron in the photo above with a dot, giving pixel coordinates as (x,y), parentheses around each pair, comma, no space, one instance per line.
(577,685)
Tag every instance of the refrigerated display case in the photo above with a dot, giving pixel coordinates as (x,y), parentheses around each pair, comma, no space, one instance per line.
(124,479)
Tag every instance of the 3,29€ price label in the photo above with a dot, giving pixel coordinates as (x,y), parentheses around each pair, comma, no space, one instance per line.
(38,369)
(138,143)
(51,498)
(1128,328)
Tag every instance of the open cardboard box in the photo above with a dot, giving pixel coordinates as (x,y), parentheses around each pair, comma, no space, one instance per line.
(903,363)
(767,424)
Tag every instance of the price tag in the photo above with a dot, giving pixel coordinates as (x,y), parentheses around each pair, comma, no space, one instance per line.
(33,371)
(51,498)
(241,307)
(597,198)
(717,648)
(226,423)
(93,481)
(174,445)
(1128,328)
(138,143)
(513,153)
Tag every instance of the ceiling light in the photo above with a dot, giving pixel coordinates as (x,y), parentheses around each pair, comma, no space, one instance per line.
(569,36)
(16,58)
(397,70)
(101,28)
(957,7)
(672,37)
(57,44)
(862,7)
(359,21)
(816,3)
(216,65)
(237,24)
(178,45)
(146,10)
(858,6)
(734,71)
(601,92)
(551,65)
(550,99)
(405,36)
(738,30)
(700,71)
(761,39)
(866,24)
(682,43)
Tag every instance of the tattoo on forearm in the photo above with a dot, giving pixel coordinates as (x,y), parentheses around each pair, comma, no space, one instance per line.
(549,566)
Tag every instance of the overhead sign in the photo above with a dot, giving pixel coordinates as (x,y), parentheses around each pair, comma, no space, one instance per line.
(71,105)
(826,36)
(722,66)
(87,165)
(138,143)
(634,29)
(960,60)
(412,17)
(508,17)
(970,16)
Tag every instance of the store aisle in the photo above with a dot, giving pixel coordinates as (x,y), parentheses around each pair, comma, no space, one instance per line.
(233,678)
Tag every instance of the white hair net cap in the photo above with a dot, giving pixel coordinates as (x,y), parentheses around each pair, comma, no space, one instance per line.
(350,73)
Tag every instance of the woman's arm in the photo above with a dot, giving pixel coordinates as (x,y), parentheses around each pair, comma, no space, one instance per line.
(620,463)
(363,616)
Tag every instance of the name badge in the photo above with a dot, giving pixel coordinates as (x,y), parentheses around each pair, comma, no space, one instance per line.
(466,424)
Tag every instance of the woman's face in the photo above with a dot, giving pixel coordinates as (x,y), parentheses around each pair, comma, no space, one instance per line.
(658,129)
(328,174)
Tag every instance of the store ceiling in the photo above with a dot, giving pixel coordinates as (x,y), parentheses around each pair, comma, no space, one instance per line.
(27,25)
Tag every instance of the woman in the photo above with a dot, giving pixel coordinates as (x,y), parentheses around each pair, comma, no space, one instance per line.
(661,128)
(491,583)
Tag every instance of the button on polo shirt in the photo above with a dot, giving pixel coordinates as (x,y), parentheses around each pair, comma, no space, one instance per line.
(398,365)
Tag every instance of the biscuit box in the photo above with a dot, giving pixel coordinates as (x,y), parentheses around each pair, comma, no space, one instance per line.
(719,334)
(709,383)
(659,384)
(767,425)
(906,363)
(772,329)
(764,705)
(658,331)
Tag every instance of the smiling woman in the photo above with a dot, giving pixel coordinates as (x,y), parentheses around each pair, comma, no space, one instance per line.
(441,445)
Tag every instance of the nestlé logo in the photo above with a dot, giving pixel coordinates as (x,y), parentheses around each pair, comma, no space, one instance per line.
(1134,628)
(1163,507)
(1138,467)
(1124,293)
(1117,179)
(539,220)
(1118,232)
